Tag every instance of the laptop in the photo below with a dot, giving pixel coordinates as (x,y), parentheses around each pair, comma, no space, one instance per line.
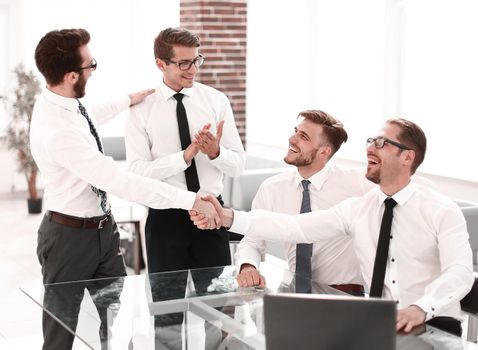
(314,321)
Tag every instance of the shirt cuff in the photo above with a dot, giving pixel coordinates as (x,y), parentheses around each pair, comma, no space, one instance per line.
(241,222)
(220,158)
(124,102)
(246,261)
(178,158)
(427,304)
(185,199)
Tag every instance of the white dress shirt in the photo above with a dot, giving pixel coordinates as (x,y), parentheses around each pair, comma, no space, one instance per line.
(430,259)
(333,260)
(70,162)
(153,147)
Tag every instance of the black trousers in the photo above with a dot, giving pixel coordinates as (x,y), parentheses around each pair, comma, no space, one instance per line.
(74,254)
(447,324)
(174,243)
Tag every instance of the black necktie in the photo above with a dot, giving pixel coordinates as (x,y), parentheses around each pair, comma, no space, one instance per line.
(381,256)
(303,254)
(99,193)
(192,180)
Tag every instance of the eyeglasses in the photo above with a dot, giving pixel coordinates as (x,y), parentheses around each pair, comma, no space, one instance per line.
(186,65)
(379,142)
(92,66)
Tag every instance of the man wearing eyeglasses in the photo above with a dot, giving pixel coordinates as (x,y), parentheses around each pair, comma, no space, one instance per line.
(316,138)
(155,149)
(426,264)
(78,238)
(183,134)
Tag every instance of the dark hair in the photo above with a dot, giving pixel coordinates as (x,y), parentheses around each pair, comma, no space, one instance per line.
(412,136)
(332,129)
(57,53)
(170,37)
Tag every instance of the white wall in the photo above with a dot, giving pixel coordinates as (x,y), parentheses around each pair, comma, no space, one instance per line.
(122,37)
(364,62)
(325,55)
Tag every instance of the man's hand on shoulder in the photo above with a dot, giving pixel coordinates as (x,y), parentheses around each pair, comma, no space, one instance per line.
(137,97)
(250,277)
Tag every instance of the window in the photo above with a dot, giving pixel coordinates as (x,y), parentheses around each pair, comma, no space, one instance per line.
(364,62)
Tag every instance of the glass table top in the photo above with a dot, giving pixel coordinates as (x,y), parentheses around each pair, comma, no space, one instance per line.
(191,309)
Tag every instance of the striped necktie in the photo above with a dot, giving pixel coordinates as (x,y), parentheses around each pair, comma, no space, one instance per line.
(100,193)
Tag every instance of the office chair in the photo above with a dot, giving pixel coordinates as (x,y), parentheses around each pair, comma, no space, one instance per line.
(469,304)
(471,216)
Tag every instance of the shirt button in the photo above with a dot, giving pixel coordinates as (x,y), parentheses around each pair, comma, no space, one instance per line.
(393,260)
(391,237)
(394,282)
(397,302)
(433,309)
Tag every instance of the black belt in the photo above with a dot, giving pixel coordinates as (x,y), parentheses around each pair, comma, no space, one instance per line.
(354,289)
(71,221)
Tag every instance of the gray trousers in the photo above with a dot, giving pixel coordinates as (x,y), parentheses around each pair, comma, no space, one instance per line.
(76,254)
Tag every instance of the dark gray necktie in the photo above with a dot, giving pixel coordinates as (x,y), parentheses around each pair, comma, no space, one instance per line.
(381,256)
(303,255)
(192,179)
(99,193)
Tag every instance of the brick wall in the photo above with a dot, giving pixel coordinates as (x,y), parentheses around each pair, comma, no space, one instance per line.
(221,26)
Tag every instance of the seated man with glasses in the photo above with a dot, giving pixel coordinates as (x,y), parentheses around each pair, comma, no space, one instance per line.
(411,241)
(185,135)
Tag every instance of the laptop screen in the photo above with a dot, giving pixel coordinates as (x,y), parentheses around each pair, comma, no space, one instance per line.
(312,321)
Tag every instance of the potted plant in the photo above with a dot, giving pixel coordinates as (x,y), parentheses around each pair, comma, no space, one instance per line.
(20,105)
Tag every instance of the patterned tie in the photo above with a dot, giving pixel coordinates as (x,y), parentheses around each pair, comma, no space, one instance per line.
(100,193)
(192,179)
(381,256)
(303,268)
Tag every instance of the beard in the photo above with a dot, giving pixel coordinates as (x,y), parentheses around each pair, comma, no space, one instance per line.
(79,87)
(373,176)
(301,159)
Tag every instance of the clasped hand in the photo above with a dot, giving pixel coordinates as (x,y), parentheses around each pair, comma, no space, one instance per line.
(206,213)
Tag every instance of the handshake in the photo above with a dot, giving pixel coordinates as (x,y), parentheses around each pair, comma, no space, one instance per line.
(208,214)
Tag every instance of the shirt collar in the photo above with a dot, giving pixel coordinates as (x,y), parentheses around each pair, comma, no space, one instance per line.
(317,180)
(401,197)
(68,103)
(169,93)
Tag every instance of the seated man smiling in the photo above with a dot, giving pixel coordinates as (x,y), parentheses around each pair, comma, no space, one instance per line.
(423,258)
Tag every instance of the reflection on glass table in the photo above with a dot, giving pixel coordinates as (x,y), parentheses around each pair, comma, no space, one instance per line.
(191,309)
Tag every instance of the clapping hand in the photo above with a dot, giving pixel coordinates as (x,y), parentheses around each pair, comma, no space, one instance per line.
(208,143)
